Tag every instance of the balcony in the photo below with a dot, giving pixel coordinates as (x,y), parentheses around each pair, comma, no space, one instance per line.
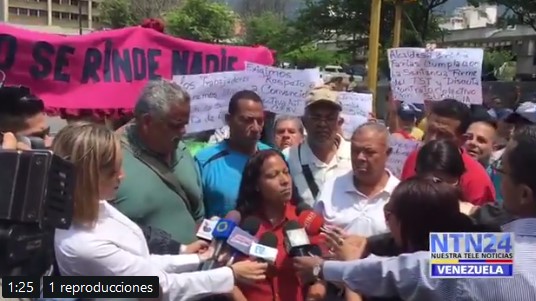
(28,4)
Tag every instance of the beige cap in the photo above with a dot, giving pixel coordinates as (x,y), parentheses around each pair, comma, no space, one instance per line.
(323,94)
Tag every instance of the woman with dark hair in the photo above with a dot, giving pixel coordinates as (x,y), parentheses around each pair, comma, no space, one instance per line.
(419,206)
(266,192)
(442,161)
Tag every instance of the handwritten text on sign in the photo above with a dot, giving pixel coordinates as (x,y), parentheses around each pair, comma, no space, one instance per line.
(356,108)
(400,150)
(210,96)
(419,74)
(283,91)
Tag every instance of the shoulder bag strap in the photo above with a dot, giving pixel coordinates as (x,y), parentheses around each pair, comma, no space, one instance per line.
(163,171)
(308,174)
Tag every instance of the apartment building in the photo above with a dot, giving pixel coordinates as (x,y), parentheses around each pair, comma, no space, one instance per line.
(55,16)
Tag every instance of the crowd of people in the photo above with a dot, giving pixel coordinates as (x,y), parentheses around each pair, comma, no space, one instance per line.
(141,194)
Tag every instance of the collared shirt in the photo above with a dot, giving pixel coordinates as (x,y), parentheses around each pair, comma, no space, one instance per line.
(116,246)
(283,283)
(475,183)
(344,206)
(408,275)
(147,200)
(221,173)
(339,165)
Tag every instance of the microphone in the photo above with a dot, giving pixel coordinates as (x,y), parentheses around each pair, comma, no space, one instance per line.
(296,239)
(312,222)
(205,229)
(242,238)
(222,230)
(266,249)
(301,207)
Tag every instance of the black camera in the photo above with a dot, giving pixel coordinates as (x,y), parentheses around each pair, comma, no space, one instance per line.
(35,198)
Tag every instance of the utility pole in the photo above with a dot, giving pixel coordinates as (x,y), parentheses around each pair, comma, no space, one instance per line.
(81,30)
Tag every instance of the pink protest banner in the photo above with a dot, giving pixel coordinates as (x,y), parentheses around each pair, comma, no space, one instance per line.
(107,69)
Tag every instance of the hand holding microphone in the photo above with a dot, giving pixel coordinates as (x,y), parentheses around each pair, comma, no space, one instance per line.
(222,230)
(249,271)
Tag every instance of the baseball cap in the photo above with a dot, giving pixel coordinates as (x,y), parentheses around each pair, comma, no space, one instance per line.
(408,111)
(526,111)
(324,95)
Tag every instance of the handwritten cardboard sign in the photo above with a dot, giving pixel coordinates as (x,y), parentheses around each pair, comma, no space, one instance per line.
(419,74)
(210,95)
(283,91)
(355,110)
(401,148)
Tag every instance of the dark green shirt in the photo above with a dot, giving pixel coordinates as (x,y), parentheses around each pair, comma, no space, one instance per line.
(147,200)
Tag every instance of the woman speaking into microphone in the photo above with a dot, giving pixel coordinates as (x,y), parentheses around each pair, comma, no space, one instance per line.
(103,242)
(266,193)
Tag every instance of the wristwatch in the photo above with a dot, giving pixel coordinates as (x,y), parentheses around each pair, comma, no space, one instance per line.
(317,270)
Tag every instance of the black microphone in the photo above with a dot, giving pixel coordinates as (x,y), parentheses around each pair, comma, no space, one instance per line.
(243,237)
(301,207)
(221,233)
(266,249)
(296,239)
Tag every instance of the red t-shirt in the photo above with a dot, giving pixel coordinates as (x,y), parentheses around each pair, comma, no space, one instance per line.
(475,183)
(282,280)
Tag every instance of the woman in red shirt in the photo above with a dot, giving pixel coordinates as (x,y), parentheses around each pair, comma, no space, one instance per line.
(266,192)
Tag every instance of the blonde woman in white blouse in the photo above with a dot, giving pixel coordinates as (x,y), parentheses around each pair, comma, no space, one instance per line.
(103,242)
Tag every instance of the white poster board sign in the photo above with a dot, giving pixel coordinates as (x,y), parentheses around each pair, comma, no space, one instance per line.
(283,91)
(210,95)
(356,108)
(419,74)
(400,150)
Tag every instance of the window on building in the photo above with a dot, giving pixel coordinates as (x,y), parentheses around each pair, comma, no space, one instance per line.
(56,1)
(65,16)
(56,14)
(84,18)
(74,2)
(33,12)
(74,16)
(23,12)
(94,4)
(43,13)
(14,10)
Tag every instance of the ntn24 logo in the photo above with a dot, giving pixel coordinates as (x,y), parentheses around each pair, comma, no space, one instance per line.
(471,242)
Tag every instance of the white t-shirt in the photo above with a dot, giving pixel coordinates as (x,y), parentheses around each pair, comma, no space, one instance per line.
(342,205)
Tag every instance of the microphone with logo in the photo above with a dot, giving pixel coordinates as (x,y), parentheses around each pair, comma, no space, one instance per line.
(311,222)
(296,239)
(243,237)
(223,229)
(206,227)
(266,249)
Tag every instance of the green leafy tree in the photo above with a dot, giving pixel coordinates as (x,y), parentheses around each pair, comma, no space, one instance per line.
(116,13)
(202,20)
(524,10)
(122,13)
(493,62)
(309,56)
(268,29)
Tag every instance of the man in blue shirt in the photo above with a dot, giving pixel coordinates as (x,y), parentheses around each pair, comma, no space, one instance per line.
(221,165)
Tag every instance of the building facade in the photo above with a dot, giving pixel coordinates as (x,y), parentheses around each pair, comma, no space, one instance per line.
(471,17)
(54,16)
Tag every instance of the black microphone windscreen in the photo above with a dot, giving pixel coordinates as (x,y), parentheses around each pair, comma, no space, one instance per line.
(301,207)
(251,225)
(292,225)
(269,239)
(315,250)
